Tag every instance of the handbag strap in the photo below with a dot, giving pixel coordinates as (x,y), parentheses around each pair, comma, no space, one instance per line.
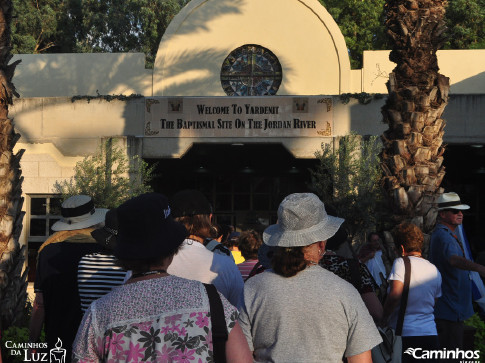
(255,268)
(404,297)
(218,321)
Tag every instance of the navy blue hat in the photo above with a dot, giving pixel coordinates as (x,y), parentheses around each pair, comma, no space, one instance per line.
(189,202)
(146,228)
(106,235)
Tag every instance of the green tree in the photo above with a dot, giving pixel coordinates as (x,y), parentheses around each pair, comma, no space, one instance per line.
(56,26)
(347,179)
(126,26)
(77,26)
(45,26)
(466,22)
(361,23)
(108,176)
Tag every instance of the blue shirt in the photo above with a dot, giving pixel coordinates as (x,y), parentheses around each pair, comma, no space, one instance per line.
(455,304)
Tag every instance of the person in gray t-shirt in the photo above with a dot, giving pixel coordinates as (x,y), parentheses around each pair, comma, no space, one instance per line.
(300,312)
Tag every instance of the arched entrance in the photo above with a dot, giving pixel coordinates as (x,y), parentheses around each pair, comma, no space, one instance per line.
(244,182)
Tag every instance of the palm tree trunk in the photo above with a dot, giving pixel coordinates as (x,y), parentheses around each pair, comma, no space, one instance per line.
(413,149)
(12,281)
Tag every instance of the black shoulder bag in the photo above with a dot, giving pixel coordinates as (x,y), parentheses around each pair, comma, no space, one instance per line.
(218,321)
(390,350)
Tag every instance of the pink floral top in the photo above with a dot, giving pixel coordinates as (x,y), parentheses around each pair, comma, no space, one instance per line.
(158,320)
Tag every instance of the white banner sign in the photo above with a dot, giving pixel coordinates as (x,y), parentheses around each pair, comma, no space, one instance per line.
(269,116)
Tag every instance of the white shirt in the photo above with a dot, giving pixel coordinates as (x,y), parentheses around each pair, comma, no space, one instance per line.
(195,262)
(376,267)
(424,288)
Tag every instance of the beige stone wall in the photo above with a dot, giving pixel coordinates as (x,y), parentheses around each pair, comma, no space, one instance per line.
(43,165)
(76,127)
(67,75)
(465,68)
(64,75)
(301,33)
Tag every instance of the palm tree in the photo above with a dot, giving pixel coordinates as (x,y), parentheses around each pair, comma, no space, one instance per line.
(13,283)
(412,154)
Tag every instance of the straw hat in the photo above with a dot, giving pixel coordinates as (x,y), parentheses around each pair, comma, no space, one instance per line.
(302,221)
(78,212)
(451,201)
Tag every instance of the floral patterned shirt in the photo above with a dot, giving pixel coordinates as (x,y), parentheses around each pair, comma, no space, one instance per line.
(157,320)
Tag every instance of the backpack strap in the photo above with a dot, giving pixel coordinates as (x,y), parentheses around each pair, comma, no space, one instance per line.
(214,246)
(223,249)
(404,297)
(218,321)
(457,240)
(254,271)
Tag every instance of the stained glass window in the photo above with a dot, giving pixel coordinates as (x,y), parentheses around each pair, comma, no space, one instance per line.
(251,70)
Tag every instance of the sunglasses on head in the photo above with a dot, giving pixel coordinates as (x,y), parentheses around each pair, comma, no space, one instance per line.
(454,211)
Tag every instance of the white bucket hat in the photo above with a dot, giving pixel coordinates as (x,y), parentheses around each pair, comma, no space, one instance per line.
(451,201)
(302,221)
(78,212)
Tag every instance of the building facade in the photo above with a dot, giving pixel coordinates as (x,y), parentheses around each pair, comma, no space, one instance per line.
(241,96)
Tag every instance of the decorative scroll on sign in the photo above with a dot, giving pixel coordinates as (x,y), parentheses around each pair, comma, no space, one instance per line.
(278,116)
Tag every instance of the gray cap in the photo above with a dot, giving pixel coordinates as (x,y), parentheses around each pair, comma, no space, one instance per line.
(302,221)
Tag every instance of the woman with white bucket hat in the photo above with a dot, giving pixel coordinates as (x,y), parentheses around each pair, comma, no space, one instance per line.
(298,311)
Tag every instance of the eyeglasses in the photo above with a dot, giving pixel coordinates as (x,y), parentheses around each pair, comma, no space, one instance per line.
(454,211)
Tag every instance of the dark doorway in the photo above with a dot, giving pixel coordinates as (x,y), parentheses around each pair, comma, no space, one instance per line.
(244,182)
(465,175)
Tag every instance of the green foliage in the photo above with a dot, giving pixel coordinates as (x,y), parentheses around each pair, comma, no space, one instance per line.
(108,98)
(479,324)
(108,176)
(18,333)
(361,23)
(364,98)
(347,180)
(126,26)
(43,26)
(466,23)
(85,26)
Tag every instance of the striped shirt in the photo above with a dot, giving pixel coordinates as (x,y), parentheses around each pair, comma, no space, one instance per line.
(97,274)
(246,267)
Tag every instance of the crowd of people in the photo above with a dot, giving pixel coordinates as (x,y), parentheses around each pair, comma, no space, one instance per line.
(156,280)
